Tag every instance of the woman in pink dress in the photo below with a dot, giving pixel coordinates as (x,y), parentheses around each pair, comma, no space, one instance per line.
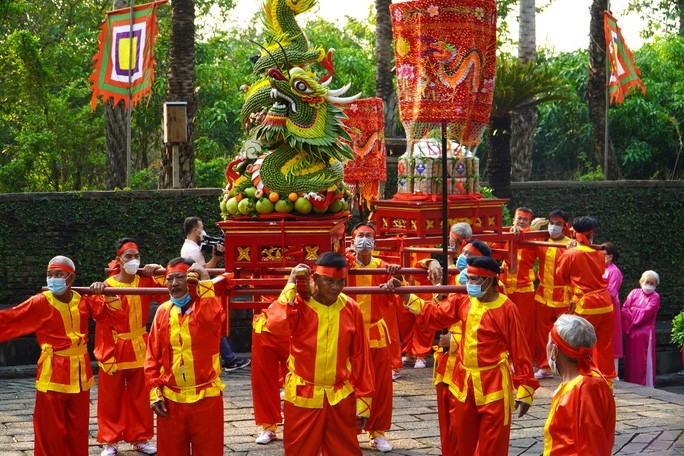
(638,323)
(614,277)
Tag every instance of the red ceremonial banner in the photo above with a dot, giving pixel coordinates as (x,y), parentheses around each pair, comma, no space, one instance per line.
(365,124)
(445,63)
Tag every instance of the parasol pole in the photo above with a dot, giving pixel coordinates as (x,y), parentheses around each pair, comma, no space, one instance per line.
(606,133)
(445,211)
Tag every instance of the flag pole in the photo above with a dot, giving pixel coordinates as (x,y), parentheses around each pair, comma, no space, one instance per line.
(606,133)
(128,110)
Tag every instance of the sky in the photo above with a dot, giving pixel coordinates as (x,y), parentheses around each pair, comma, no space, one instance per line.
(562,26)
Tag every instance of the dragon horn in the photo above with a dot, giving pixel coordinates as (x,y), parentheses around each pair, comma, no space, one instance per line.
(343,100)
(340,91)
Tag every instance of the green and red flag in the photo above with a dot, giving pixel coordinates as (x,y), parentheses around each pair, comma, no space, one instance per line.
(624,73)
(125,49)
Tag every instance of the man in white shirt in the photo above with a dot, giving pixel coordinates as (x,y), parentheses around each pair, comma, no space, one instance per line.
(193,228)
(194,233)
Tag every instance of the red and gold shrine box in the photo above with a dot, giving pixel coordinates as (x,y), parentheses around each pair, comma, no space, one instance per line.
(424,218)
(275,243)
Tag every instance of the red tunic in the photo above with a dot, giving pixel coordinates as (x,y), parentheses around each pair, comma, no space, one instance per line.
(582,418)
(182,362)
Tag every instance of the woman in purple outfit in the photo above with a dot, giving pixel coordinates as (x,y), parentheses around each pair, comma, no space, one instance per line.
(614,277)
(638,323)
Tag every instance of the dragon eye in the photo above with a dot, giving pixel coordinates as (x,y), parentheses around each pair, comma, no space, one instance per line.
(301,86)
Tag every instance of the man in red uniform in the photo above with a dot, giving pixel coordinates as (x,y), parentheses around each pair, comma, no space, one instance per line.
(552,299)
(582,416)
(380,324)
(123,407)
(329,365)
(492,340)
(182,365)
(59,317)
(519,286)
(582,268)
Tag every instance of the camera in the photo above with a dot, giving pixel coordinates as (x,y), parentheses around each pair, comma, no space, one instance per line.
(209,243)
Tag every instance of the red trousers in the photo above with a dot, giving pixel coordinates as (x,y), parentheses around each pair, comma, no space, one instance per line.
(269,361)
(415,340)
(481,429)
(604,325)
(60,423)
(123,407)
(526,308)
(195,428)
(380,419)
(330,430)
(546,316)
(446,416)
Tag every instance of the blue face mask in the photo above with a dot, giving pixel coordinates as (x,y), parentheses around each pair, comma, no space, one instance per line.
(475,290)
(182,301)
(463,278)
(57,285)
(461,262)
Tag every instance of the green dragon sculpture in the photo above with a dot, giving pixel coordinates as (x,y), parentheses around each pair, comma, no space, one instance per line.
(293,160)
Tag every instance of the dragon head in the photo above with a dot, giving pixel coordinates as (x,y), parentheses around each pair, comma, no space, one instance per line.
(302,113)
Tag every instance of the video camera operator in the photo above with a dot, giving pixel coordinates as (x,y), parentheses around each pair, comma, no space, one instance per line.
(194,240)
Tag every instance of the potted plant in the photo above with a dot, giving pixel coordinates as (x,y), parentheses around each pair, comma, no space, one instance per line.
(678,334)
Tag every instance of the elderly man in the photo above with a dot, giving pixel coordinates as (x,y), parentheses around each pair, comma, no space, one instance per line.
(59,317)
(582,268)
(123,407)
(582,416)
(182,365)
(330,362)
(492,340)
(380,324)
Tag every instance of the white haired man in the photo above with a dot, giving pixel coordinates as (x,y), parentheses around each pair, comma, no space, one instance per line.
(59,317)
(582,416)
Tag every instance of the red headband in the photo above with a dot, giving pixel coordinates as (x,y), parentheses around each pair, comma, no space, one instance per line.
(481,272)
(472,249)
(126,246)
(581,354)
(584,237)
(178,267)
(363,228)
(60,267)
(558,219)
(522,211)
(335,273)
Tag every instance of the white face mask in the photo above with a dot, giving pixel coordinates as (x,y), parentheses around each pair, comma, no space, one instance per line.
(132,266)
(648,289)
(555,231)
(364,244)
(553,366)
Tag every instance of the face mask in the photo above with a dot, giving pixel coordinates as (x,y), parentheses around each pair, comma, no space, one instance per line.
(555,231)
(463,278)
(648,289)
(132,266)
(57,285)
(182,301)
(364,244)
(461,262)
(475,290)
(203,234)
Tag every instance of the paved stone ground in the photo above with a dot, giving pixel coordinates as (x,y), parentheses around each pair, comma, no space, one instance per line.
(650,421)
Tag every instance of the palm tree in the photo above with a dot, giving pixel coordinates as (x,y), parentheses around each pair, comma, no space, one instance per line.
(525,120)
(384,58)
(115,135)
(181,83)
(518,86)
